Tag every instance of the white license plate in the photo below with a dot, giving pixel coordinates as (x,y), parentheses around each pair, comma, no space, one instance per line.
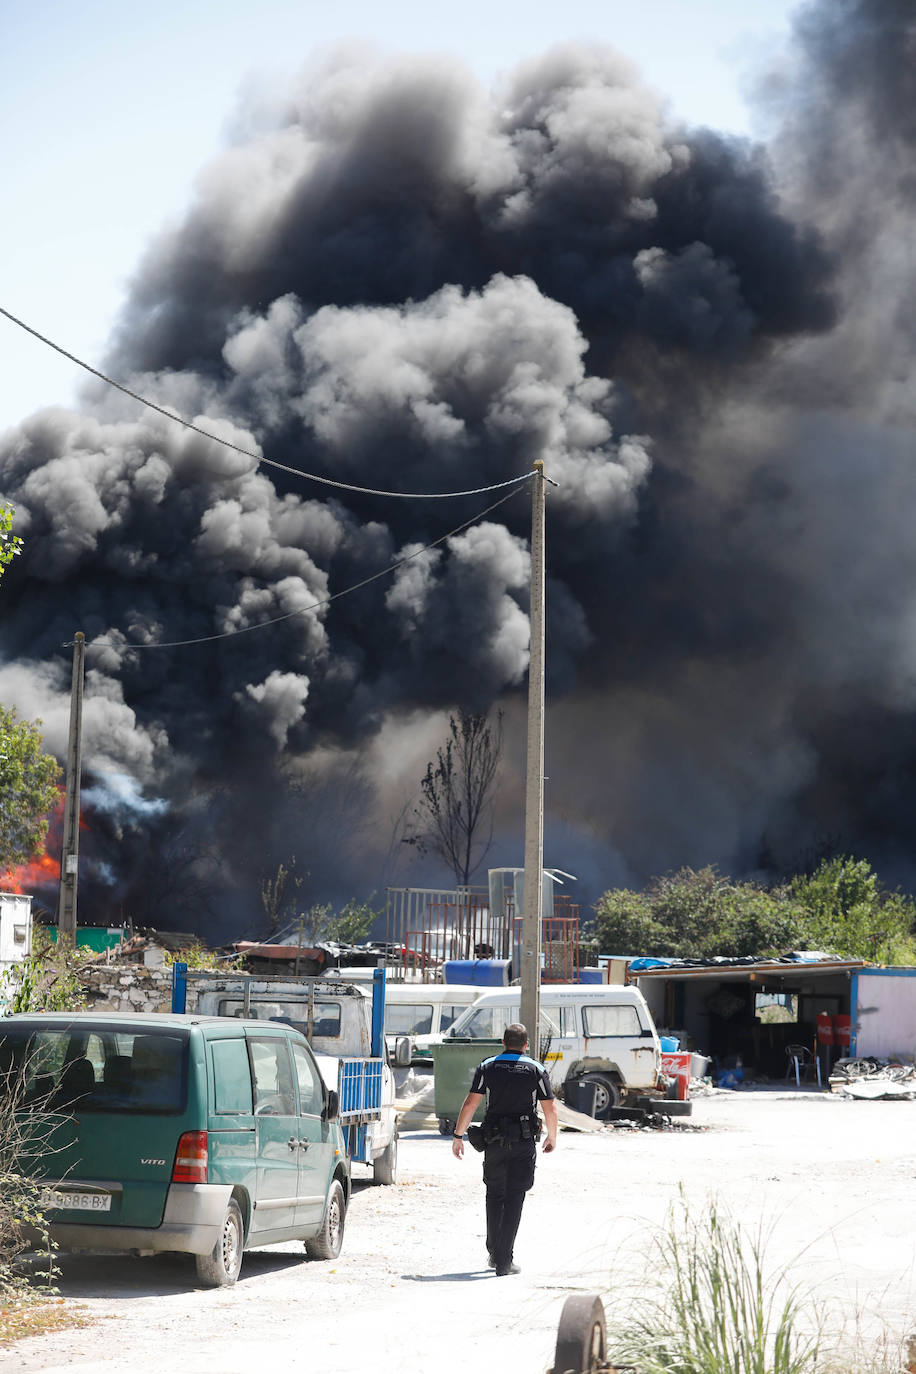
(76,1202)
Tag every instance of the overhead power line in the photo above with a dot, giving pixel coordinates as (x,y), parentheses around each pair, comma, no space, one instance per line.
(301,610)
(249,453)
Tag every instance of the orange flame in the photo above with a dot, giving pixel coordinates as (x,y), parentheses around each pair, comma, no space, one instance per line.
(44,871)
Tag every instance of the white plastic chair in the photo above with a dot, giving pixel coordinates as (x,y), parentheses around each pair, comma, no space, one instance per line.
(801,1062)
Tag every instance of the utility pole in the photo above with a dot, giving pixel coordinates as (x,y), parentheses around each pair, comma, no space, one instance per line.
(69,858)
(534,784)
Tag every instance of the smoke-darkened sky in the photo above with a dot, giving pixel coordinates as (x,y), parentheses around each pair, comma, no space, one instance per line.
(402,279)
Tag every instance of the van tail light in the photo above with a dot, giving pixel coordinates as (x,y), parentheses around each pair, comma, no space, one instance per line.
(191,1158)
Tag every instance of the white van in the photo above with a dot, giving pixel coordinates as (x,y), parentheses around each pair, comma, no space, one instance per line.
(590,1033)
(424,1011)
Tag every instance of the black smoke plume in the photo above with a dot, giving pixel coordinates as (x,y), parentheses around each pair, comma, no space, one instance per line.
(400,281)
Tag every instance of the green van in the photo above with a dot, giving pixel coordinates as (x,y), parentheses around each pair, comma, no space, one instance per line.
(205,1135)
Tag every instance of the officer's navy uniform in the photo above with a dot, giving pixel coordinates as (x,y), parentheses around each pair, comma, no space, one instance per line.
(513,1083)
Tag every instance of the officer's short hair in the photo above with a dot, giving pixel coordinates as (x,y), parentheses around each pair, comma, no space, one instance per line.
(515,1037)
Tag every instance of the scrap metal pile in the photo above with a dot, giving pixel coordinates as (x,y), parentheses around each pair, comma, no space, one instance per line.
(872,1078)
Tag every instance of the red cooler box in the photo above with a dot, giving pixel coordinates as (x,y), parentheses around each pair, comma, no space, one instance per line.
(677,1066)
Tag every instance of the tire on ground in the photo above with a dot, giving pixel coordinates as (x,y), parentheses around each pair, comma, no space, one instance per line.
(220,1268)
(580,1335)
(329,1241)
(674,1108)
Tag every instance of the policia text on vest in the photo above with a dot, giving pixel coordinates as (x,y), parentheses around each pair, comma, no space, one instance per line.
(514,1084)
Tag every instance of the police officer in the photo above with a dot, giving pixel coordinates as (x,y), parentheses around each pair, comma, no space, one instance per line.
(514,1084)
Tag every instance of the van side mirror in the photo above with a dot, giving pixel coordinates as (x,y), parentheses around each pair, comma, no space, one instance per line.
(332,1105)
(402,1052)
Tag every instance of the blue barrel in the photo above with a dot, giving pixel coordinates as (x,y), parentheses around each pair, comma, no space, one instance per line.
(591,975)
(479,973)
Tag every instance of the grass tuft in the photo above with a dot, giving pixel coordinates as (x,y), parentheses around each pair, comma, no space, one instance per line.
(710,1307)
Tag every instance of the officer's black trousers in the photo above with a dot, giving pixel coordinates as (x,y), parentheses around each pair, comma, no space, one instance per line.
(508,1172)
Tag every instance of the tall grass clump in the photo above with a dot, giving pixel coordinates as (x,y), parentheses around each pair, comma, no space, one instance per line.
(710,1307)
(23,1225)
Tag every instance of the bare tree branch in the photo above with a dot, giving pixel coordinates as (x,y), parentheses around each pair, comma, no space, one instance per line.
(454,818)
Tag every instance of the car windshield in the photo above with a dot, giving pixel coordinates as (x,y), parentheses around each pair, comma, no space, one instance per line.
(489,1023)
(94,1067)
(484,1023)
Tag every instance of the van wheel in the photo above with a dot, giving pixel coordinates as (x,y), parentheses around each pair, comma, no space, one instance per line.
(385,1165)
(329,1241)
(220,1268)
(607,1093)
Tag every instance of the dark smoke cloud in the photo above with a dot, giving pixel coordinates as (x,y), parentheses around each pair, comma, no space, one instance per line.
(400,281)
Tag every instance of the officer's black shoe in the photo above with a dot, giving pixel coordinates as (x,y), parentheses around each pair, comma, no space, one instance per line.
(491,1260)
(503,1269)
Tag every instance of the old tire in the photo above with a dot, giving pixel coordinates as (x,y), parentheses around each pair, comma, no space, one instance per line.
(385,1165)
(220,1268)
(580,1335)
(607,1093)
(674,1108)
(329,1241)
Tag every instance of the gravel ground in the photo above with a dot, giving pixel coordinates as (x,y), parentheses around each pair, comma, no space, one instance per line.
(830,1180)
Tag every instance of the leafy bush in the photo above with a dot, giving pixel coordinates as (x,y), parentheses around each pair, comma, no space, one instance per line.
(698,914)
(46,980)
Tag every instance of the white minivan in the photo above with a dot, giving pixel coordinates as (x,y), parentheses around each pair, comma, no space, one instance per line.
(590,1033)
(424,1012)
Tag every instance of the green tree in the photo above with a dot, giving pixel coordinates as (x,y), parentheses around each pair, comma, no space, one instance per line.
(850,912)
(28,790)
(278,896)
(320,923)
(454,818)
(10,544)
(699,914)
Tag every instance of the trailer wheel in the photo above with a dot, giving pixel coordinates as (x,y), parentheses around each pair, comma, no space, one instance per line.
(327,1244)
(607,1093)
(446,1125)
(580,1336)
(385,1165)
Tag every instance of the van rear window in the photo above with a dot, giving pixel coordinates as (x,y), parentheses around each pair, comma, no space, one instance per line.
(408,1018)
(325,1015)
(94,1068)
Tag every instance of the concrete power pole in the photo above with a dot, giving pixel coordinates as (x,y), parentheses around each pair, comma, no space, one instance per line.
(69,858)
(534,785)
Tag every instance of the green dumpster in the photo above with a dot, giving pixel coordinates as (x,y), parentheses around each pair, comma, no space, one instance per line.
(454,1062)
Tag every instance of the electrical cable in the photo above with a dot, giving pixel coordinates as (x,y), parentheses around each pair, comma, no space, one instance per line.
(248,453)
(302,610)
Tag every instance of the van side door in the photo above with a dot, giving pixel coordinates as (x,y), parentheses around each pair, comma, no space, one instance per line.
(277,1133)
(317,1155)
(231,1129)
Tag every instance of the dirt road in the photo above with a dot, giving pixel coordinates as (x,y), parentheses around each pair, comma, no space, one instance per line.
(831,1180)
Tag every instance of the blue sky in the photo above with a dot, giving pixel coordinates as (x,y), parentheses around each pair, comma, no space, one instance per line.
(107,112)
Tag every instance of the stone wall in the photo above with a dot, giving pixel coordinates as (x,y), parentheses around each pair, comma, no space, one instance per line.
(127,987)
